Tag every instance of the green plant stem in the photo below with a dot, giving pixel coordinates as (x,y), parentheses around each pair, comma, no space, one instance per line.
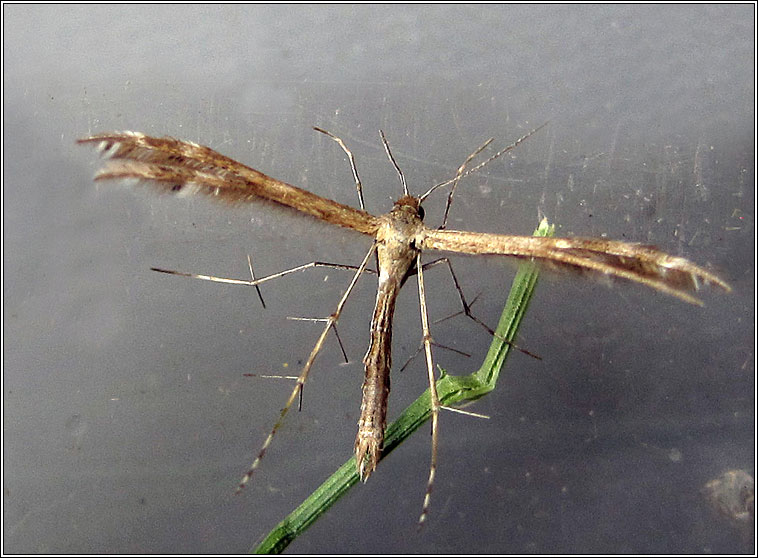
(451,390)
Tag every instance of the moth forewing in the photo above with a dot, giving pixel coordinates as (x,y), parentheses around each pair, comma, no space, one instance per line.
(173,166)
(635,262)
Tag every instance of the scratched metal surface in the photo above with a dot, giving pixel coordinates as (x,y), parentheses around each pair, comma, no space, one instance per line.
(127,418)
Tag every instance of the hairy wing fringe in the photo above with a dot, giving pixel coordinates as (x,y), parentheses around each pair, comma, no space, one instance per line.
(635,262)
(186,168)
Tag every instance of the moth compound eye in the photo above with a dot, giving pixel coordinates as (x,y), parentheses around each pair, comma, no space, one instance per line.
(420,212)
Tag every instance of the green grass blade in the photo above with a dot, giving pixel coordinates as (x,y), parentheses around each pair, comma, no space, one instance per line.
(451,390)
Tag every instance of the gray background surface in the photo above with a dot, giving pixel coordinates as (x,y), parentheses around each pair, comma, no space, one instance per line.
(127,421)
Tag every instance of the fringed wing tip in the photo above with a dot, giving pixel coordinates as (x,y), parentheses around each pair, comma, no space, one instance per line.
(681,278)
(114,144)
(112,137)
(696,276)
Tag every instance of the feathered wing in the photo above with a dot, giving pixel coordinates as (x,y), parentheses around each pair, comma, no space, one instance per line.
(636,262)
(186,168)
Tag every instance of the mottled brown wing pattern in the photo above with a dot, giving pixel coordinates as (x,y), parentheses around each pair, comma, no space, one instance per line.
(636,262)
(182,167)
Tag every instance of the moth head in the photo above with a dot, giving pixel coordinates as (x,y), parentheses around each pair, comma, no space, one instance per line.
(410,204)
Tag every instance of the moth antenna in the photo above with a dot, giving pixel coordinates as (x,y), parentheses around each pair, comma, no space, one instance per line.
(503,151)
(350,157)
(394,163)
